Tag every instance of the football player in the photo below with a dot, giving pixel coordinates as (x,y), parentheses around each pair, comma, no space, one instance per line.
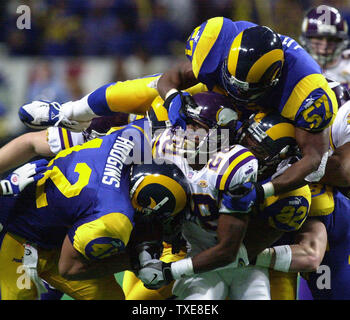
(313,238)
(251,63)
(258,67)
(223,171)
(322,241)
(325,36)
(336,174)
(68,140)
(160,110)
(243,157)
(73,226)
(330,207)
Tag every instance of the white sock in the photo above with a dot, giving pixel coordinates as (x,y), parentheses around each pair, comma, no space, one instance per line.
(78,110)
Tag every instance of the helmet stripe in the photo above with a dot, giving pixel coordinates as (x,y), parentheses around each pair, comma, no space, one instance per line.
(233,54)
(258,69)
(281,130)
(206,41)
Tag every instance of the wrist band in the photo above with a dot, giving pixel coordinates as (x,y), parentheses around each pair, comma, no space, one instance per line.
(283,258)
(263,259)
(181,268)
(269,189)
(170,92)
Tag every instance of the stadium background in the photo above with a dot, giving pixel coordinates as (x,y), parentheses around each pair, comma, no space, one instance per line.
(75,46)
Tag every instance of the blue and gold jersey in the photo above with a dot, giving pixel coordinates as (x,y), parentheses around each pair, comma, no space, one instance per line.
(288,211)
(332,208)
(302,94)
(85,194)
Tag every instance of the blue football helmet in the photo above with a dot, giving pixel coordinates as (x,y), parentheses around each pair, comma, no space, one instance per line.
(161,193)
(253,65)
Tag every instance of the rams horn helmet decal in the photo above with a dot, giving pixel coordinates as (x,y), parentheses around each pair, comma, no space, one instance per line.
(160,192)
(270,137)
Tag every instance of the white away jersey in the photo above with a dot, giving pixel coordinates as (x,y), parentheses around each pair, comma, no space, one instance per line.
(233,166)
(340,129)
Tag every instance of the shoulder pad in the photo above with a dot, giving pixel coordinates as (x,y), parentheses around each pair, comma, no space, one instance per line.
(322,200)
(312,104)
(288,211)
(236,165)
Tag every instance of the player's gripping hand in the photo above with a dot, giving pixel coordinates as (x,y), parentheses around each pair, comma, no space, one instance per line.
(176,104)
(155,274)
(21,177)
(142,253)
(243,197)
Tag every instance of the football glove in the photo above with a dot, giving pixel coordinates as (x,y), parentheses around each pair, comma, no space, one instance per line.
(142,253)
(176,105)
(21,177)
(155,274)
(243,197)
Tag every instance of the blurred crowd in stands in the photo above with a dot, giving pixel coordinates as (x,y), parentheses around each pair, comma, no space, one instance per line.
(125,27)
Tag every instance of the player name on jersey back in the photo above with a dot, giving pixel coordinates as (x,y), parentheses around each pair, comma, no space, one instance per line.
(116,160)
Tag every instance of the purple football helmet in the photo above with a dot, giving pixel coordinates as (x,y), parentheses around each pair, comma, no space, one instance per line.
(100,126)
(341,92)
(212,109)
(211,123)
(324,34)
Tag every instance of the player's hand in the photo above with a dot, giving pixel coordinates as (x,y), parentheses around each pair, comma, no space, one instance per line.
(21,177)
(155,274)
(243,197)
(147,251)
(176,105)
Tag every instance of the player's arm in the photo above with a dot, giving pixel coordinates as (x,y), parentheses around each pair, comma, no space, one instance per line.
(19,151)
(259,236)
(338,168)
(313,147)
(305,255)
(23,148)
(230,231)
(169,85)
(74,266)
(179,77)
